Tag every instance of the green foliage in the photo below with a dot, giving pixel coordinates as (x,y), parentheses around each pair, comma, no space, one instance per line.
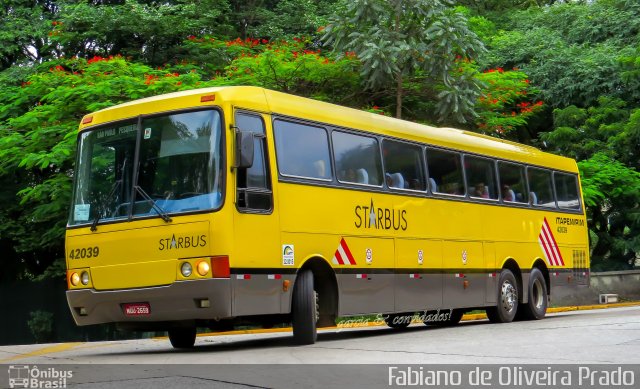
(397,39)
(289,67)
(39,116)
(148,31)
(41,325)
(612,195)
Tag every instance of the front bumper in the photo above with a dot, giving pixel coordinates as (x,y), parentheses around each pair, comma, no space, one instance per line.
(175,302)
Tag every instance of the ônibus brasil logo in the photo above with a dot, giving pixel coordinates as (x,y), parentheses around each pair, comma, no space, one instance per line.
(24,376)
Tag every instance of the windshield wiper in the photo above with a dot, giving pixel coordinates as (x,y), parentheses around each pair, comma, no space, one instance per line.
(163,214)
(103,205)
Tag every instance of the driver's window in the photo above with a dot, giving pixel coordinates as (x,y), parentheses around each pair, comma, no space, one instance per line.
(254,186)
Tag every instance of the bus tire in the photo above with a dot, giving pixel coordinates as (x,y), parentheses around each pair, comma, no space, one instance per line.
(398,320)
(183,337)
(507,306)
(536,306)
(304,309)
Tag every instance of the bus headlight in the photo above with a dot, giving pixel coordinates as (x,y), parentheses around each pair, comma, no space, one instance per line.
(74,279)
(84,278)
(186,269)
(203,268)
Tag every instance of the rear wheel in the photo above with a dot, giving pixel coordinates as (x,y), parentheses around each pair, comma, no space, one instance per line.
(182,337)
(398,320)
(304,309)
(536,306)
(507,306)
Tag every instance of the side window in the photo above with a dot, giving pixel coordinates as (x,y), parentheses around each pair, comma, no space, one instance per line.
(445,172)
(513,184)
(254,186)
(540,186)
(567,190)
(302,150)
(481,181)
(357,158)
(403,165)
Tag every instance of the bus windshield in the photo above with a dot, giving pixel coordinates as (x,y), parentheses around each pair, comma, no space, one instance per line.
(175,160)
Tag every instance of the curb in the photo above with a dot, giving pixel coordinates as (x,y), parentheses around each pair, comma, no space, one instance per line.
(467,317)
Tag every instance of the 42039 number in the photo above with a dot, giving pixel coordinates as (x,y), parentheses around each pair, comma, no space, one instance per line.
(86,252)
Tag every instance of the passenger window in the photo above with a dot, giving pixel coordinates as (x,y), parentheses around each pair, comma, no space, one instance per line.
(513,185)
(254,186)
(403,165)
(302,150)
(540,186)
(445,172)
(357,158)
(481,182)
(567,190)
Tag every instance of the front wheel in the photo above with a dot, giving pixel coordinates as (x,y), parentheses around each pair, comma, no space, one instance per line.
(182,337)
(304,309)
(536,306)
(507,306)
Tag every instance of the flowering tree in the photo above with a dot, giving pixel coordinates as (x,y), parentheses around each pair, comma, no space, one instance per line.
(39,116)
(507,101)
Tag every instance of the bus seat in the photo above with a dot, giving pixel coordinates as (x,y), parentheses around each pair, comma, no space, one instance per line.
(320,168)
(397,181)
(533,198)
(362,177)
(432,185)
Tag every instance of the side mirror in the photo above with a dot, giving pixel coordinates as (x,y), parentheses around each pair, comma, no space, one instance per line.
(244,149)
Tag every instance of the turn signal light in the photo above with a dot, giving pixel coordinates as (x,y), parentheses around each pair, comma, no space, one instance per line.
(74,279)
(203,268)
(220,267)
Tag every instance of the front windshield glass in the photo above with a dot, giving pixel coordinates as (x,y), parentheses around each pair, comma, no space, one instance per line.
(179,167)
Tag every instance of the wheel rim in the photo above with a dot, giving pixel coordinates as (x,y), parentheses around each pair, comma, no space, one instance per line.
(537,294)
(509,296)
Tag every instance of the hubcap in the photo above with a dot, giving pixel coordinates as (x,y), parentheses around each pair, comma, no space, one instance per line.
(508,296)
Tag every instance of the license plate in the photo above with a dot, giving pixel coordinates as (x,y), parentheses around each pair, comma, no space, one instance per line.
(136,309)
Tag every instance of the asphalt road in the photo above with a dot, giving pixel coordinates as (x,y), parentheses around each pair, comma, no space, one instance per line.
(609,336)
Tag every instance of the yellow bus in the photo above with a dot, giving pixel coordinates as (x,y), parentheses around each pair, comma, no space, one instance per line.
(221,206)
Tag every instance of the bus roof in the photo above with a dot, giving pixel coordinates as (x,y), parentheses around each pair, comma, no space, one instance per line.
(264,100)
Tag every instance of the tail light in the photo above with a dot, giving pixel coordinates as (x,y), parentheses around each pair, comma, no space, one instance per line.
(220,267)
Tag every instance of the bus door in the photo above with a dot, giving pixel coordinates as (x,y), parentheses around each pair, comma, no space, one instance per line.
(256,286)
(465,274)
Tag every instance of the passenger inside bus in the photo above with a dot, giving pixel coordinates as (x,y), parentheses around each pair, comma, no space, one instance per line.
(507,193)
(481,190)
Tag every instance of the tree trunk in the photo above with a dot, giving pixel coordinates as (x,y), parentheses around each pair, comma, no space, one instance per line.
(399,93)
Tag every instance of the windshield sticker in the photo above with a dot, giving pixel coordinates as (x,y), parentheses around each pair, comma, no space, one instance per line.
(147,133)
(288,255)
(81,212)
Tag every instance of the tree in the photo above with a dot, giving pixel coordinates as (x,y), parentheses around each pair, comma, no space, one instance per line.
(39,115)
(398,40)
(604,139)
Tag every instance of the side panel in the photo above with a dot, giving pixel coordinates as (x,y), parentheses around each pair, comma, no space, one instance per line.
(419,275)
(464,281)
